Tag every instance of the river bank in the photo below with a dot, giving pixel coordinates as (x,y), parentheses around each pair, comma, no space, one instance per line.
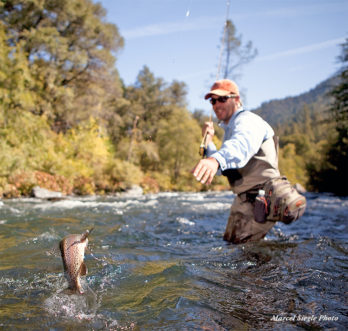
(24,184)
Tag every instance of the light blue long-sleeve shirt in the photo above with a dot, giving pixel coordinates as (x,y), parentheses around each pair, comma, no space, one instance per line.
(244,135)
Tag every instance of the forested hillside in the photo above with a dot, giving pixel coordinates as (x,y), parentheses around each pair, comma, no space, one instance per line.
(283,111)
(310,126)
(68,123)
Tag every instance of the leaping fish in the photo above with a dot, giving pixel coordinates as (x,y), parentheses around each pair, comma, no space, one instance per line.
(72,249)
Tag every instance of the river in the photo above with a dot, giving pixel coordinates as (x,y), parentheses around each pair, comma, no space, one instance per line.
(158,262)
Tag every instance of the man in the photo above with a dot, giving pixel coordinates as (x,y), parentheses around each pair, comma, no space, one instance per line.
(248,157)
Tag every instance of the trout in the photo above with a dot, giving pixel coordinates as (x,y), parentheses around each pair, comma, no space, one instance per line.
(72,249)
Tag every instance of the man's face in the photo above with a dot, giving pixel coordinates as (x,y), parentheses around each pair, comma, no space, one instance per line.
(225,110)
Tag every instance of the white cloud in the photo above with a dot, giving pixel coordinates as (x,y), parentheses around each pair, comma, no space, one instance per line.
(301,50)
(172,27)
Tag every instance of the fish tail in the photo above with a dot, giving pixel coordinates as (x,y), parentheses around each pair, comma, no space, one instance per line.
(61,247)
(78,286)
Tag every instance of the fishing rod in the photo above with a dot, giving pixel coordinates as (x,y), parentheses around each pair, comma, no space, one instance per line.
(203,146)
(223,39)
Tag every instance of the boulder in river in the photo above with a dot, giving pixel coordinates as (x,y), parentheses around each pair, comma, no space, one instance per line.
(134,190)
(42,193)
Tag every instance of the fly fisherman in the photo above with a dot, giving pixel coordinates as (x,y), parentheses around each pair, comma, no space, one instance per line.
(248,158)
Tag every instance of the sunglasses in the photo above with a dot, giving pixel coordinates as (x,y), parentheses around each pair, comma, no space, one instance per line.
(221,99)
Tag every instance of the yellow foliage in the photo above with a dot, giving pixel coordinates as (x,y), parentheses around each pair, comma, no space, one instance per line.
(149,184)
(292,165)
(84,186)
(178,142)
(124,173)
(88,143)
(84,151)
(82,157)
(163,180)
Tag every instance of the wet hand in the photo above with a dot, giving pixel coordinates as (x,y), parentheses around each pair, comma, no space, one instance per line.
(205,170)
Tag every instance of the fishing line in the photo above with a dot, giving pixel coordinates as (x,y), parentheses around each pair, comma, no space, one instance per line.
(203,146)
(105,260)
(97,258)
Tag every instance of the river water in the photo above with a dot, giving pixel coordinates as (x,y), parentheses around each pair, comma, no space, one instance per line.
(158,262)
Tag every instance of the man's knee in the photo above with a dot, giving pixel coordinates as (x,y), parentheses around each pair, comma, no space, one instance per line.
(236,228)
(243,228)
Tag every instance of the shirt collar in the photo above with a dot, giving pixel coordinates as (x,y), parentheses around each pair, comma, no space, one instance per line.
(225,126)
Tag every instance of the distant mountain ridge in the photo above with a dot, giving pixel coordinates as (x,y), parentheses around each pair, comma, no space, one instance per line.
(278,112)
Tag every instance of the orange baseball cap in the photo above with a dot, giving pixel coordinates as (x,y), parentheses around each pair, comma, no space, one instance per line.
(223,87)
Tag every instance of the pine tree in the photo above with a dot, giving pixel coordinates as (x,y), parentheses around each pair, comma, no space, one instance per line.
(235,54)
(338,153)
(331,174)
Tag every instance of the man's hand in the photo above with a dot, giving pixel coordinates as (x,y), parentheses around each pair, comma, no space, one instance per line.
(205,170)
(208,129)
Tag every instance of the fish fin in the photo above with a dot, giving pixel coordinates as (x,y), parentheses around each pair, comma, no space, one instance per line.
(83,269)
(61,246)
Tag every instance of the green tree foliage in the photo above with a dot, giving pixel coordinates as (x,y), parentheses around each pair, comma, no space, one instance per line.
(314,141)
(178,140)
(68,46)
(146,104)
(281,113)
(152,100)
(330,173)
(67,122)
(291,164)
(15,79)
(19,147)
(81,152)
(300,144)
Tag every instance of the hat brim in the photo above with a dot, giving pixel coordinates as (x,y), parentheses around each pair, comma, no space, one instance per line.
(220,93)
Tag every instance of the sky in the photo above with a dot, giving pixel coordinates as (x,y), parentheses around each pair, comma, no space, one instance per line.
(298,42)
